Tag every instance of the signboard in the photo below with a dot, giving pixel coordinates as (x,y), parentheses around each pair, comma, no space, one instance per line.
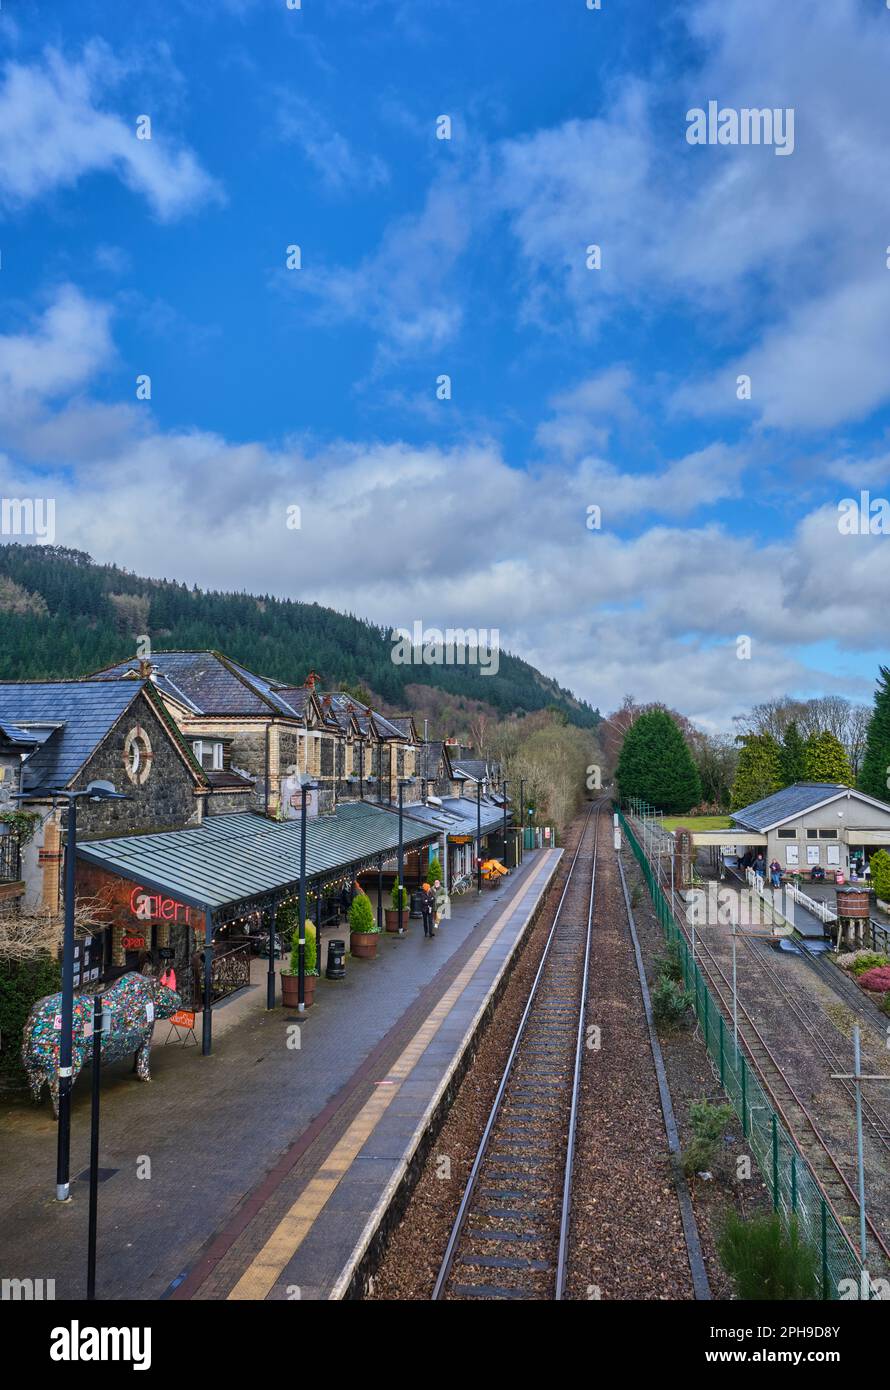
(133,943)
(812,854)
(88,959)
(791,856)
(183,1018)
(149,906)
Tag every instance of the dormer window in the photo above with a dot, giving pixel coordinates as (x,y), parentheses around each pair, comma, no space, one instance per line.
(209,753)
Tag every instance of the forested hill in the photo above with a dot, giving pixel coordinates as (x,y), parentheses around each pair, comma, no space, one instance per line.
(63,615)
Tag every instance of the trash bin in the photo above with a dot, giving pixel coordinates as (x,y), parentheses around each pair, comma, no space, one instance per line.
(336,966)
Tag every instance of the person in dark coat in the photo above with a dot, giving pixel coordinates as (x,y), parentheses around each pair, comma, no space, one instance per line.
(428,910)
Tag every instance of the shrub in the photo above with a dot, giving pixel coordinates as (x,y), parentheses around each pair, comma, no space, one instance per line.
(434,871)
(669,1002)
(709,1124)
(395,897)
(361,915)
(867,960)
(22,983)
(879,866)
(877,981)
(764,1261)
(311,951)
(671,963)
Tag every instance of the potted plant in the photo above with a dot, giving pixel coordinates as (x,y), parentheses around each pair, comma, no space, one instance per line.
(290,981)
(434,872)
(392,914)
(362,928)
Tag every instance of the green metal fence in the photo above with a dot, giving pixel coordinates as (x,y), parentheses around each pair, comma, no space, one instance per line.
(794,1189)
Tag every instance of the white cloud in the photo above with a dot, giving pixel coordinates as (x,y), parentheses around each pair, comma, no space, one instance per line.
(54,131)
(340,166)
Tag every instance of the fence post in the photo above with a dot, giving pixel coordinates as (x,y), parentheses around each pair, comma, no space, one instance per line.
(722,1066)
(826,1290)
(744,1094)
(793,1181)
(775,1162)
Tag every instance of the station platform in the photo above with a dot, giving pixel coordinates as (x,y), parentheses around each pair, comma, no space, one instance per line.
(200,1167)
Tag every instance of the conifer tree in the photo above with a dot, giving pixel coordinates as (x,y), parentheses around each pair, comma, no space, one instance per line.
(874,777)
(792,759)
(758,774)
(656,764)
(825,760)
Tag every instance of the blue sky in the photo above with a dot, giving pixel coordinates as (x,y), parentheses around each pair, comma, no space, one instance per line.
(571,387)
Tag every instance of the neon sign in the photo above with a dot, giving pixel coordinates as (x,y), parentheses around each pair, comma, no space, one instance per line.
(147,906)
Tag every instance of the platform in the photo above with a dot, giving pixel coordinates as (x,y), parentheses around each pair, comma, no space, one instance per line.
(200,1165)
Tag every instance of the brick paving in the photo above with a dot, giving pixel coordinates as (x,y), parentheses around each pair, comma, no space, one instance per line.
(187,1149)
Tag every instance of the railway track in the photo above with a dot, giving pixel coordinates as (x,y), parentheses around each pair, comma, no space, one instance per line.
(838,1187)
(510,1236)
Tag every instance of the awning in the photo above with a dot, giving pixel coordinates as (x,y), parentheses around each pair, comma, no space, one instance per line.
(233,859)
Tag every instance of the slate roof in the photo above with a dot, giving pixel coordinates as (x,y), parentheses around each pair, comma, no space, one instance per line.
(790,801)
(205,682)
(17,737)
(85,711)
(457,815)
(476,768)
(233,858)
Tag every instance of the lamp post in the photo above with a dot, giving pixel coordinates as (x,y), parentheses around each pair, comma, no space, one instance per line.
(307,785)
(403,783)
(521,817)
(504,789)
(95,791)
(478,837)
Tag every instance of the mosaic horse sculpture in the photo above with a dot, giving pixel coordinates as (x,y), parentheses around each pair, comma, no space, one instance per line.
(135,1003)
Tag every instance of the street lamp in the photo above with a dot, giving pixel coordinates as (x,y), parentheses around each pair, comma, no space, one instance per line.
(521,816)
(307,785)
(504,789)
(95,791)
(403,783)
(478,837)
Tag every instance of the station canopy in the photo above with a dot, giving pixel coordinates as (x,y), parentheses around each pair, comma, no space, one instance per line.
(233,859)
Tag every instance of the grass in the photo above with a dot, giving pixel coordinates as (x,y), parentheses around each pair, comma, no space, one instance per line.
(697,822)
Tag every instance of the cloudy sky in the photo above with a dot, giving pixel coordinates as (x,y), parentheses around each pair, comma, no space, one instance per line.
(572,387)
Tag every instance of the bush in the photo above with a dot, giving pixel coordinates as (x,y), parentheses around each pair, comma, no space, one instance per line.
(671,963)
(434,871)
(764,1261)
(361,915)
(395,897)
(311,951)
(669,1002)
(867,960)
(22,983)
(709,1124)
(879,866)
(877,981)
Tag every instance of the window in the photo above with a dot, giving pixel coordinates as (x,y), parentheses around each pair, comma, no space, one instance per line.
(209,754)
(786,834)
(812,834)
(827,834)
(137,756)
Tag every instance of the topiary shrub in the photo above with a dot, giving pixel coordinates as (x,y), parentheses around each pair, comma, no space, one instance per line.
(434,871)
(394,895)
(311,963)
(879,866)
(361,915)
(764,1261)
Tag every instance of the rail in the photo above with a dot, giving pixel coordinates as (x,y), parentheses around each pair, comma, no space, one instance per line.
(795,1190)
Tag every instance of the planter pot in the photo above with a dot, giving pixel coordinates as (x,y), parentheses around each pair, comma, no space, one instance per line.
(392,919)
(363,944)
(290,990)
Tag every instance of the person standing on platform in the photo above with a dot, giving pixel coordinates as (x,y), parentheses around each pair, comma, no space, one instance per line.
(440,897)
(427,909)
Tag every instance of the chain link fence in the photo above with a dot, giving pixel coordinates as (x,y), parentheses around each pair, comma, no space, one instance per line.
(794,1189)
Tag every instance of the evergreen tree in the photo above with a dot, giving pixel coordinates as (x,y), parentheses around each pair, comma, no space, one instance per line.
(656,764)
(758,774)
(792,759)
(874,777)
(825,759)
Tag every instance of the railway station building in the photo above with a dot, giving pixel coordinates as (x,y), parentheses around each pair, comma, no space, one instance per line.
(808,826)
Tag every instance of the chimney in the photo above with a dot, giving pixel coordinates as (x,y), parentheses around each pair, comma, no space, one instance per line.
(310,680)
(145,669)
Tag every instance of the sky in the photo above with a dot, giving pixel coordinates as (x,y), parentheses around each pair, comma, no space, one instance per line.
(593,481)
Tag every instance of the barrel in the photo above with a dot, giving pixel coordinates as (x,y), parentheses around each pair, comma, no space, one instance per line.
(853,902)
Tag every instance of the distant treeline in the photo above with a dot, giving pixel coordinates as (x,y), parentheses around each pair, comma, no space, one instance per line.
(62,615)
